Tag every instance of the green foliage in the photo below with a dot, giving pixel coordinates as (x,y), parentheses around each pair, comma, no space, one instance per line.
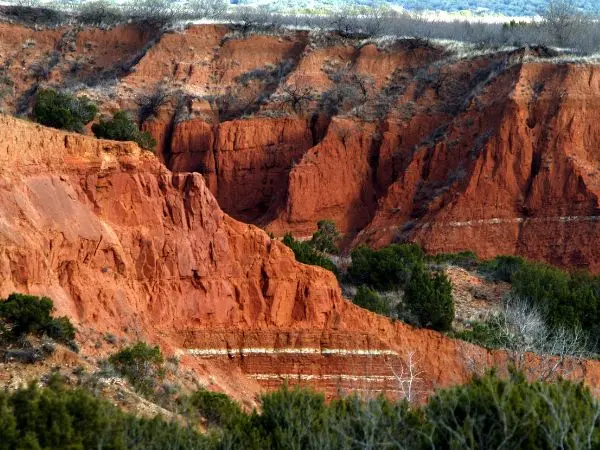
(122,128)
(370,299)
(491,412)
(64,111)
(570,300)
(429,298)
(482,414)
(486,334)
(462,259)
(62,330)
(27,314)
(56,417)
(488,412)
(325,237)
(376,422)
(217,409)
(503,267)
(141,365)
(306,253)
(387,268)
(293,419)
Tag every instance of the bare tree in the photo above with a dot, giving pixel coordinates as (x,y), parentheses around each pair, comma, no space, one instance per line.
(296,96)
(374,21)
(248,18)
(561,351)
(150,104)
(153,12)
(210,9)
(351,90)
(408,377)
(562,18)
(99,12)
(343,21)
(28,3)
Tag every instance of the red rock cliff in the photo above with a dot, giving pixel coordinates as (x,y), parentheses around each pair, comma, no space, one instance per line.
(123,245)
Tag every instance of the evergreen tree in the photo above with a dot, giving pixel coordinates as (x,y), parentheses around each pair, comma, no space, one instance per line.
(429,298)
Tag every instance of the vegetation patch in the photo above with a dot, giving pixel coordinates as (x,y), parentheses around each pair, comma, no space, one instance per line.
(428,298)
(307,254)
(141,365)
(62,418)
(315,252)
(385,269)
(372,300)
(63,111)
(122,128)
(27,315)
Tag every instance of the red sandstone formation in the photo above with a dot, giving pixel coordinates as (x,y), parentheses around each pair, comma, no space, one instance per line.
(125,246)
(491,153)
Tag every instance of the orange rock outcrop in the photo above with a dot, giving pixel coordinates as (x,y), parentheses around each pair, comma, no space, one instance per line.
(125,246)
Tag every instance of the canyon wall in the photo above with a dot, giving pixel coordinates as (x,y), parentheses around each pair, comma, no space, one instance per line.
(124,246)
(395,141)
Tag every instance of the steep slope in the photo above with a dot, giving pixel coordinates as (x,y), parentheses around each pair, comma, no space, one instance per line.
(124,246)
(521,182)
(394,141)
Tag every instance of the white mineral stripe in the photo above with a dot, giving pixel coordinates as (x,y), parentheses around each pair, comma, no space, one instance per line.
(516,220)
(303,377)
(212,352)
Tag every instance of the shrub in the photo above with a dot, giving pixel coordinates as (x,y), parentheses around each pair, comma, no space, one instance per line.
(370,299)
(293,418)
(154,13)
(122,128)
(387,268)
(305,253)
(569,300)
(490,412)
(487,412)
(63,111)
(149,105)
(429,298)
(26,314)
(503,267)
(98,12)
(56,417)
(325,237)
(217,409)
(141,365)
(489,334)
(462,259)
(200,9)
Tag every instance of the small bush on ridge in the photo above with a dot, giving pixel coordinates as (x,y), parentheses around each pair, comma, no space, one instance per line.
(122,128)
(63,111)
(305,253)
(370,299)
(324,239)
(385,269)
(140,364)
(429,298)
(22,314)
(216,408)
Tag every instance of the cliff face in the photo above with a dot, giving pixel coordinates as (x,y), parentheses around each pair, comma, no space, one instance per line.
(493,153)
(125,246)
(514,174)
(400,141)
